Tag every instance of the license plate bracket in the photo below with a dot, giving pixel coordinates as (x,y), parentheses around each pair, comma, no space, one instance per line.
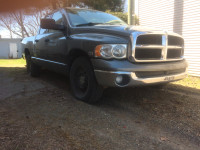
(169,78)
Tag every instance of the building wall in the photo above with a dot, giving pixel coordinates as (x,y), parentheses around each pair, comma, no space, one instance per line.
(157,13)
(180,16)
(191,34)
(5,48)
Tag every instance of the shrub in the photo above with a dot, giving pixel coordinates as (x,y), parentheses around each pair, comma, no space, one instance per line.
(123,16)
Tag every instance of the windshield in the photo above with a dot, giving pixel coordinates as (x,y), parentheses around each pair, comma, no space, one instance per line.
(84,17)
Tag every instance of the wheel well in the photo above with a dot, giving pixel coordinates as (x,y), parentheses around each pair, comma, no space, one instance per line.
(26,51)
(74,54)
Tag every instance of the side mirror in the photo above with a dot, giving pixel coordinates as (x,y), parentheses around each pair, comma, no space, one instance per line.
(51,24)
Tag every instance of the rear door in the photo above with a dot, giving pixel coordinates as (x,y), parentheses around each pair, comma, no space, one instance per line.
(40,45)
(50,46)
(57,41)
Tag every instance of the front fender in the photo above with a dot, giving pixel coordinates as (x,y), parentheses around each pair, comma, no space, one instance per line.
(27,43)
(88,41)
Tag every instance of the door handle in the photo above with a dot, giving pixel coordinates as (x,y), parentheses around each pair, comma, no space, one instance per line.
(46,40)
(36,40)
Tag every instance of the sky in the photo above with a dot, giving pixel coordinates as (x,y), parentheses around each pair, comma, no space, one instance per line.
(5,34)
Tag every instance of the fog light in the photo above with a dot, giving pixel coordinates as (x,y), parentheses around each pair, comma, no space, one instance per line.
(122,80)
(119,79)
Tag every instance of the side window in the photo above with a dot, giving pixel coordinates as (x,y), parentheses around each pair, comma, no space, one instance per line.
(57,16)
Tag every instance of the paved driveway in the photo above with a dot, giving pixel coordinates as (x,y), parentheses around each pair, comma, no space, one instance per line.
(41,114)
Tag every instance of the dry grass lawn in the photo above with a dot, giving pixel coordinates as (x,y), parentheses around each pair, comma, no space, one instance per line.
(190,81)
(12,62)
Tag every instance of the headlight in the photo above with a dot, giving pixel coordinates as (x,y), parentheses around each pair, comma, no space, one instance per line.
(111,51)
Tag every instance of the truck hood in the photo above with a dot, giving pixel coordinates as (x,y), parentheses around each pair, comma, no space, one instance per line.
(131,29)
(128,28)
(143,29)
(119,30)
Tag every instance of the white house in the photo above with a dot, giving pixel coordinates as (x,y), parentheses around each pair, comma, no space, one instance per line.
(10,48)
(180,16)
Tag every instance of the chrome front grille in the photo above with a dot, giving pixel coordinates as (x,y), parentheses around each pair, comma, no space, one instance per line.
(151,74)
(148,47)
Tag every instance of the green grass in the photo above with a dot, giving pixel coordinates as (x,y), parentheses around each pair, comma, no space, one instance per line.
(190,81)
(12,63)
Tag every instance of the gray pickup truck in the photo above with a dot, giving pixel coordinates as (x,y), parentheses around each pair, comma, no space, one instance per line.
(98,50)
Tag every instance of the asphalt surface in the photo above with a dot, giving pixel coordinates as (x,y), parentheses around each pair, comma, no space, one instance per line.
(41,114)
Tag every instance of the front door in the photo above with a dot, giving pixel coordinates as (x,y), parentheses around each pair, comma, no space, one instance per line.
(13,50)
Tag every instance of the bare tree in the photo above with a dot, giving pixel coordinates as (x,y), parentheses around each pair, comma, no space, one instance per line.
(21,23)
(19,18)
(6,23)
(33,21)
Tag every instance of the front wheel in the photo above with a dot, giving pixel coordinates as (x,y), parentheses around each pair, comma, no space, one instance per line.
(32,68)
(83,83)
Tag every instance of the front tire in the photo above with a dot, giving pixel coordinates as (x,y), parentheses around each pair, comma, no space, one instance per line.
(83,82)
(32,69)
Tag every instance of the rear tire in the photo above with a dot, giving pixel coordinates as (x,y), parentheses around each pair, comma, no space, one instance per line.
(32,69)
(83,82)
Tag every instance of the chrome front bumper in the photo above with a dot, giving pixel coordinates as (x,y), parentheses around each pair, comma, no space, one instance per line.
(108,78)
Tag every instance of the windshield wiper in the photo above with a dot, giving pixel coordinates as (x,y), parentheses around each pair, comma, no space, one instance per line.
(88,24)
